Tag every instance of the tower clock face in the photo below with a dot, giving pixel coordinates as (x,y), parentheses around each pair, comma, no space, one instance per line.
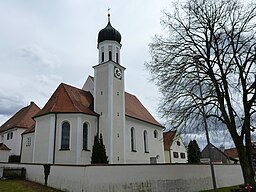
(117,73)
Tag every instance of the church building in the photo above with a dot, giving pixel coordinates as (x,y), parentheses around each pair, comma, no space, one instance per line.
(65,127)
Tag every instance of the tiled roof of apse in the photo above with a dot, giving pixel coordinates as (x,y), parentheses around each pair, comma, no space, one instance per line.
(69,99)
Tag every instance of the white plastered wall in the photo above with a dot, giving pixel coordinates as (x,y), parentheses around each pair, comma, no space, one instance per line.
(155,145)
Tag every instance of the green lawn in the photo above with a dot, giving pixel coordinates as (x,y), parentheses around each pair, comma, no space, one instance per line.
(23,186)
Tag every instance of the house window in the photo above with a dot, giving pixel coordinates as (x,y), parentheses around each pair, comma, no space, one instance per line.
(133,141)
(65,135)
(175,154)
(28,141)
(145,138)
(85,136)
(155,134)
(9,135)
(178,143)
(182,155)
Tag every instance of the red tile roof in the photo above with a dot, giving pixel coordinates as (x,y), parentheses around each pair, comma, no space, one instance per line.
(22,119)
(4,147)
(69,99)
(29,130)
(135,109)
(232,152)
(168,139)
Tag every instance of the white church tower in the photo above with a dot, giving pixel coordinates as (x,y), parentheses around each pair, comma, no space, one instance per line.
(109,95)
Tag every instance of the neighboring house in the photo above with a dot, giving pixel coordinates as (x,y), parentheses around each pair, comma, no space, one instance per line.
(218,156)
(66,125)
(232,152)
(4,153)
(11,130)
(174,148)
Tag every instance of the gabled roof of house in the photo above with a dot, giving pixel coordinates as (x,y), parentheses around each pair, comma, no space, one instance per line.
(134,108)
(220,152)
(22,119)
(69,99)
(232,152)
(4,147)
(168,139)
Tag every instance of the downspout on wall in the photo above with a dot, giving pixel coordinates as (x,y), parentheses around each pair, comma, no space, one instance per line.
(54,142)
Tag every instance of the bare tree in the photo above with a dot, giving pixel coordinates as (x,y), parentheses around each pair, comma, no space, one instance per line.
(217,38)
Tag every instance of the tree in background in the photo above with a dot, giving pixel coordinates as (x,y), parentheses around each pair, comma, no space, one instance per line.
(210,44)
(99,151)
(194,153)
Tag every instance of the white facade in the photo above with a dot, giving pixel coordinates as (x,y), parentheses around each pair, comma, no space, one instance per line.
(177,152)
(12,139)
(155,144)
(4,156)
(47,143)
(27,148)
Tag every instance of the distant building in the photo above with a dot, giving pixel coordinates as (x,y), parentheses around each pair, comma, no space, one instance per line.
(4,153)
(11,130)
(218,156)
(174,148)
(232,152)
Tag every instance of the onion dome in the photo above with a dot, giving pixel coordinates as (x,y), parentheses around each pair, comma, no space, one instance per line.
(109,33)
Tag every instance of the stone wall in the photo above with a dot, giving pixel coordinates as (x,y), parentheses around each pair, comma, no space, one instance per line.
(129,178)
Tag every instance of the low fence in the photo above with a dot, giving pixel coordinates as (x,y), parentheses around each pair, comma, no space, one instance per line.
(130,178)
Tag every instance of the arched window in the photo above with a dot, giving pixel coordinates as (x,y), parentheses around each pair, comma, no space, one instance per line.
(85,136)
(102,57)
(65,135)
(133,141)
(145,137)
(110,55)
(117,58)
(102,54)
(155,134)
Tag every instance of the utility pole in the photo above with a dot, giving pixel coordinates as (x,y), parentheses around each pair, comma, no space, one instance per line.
(196,59)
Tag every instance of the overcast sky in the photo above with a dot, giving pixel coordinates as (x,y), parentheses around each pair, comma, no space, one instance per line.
(46,42)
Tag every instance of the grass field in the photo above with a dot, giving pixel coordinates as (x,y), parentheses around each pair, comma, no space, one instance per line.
(23,186)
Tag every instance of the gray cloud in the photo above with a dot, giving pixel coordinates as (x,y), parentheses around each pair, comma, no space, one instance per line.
(37,55)
(10,104)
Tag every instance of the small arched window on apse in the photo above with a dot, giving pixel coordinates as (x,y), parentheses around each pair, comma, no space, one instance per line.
(145,139)
(155,134)
(85,136)
(133,140)
(65,135)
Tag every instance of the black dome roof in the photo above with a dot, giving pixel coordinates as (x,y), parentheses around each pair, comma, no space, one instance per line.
(109,33)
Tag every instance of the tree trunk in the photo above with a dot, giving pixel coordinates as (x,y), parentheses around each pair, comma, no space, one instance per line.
(246,164)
